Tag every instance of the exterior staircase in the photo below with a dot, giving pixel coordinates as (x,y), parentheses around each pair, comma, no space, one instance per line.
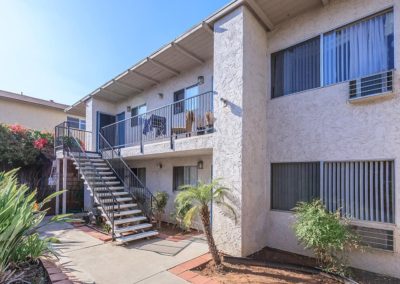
(119,206)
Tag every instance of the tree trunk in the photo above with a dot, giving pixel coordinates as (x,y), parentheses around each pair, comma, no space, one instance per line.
(205,219)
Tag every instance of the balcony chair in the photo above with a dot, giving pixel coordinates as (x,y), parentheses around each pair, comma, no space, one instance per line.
(189,120)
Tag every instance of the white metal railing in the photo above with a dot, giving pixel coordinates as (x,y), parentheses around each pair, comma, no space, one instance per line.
(371,85)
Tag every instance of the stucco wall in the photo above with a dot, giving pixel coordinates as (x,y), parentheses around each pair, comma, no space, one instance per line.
(227,155)
(254,136)
(31,116)
(151,98)
(92,107)
(161,179)
(321,124)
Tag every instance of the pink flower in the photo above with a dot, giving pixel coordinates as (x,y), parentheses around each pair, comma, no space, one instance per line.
(40,143)
(17,129)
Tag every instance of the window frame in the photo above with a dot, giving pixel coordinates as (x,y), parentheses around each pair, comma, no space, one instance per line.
(271,183)
(81,123)
(180,104)
(135,118)
(136,170)
(175,187)
(321,35)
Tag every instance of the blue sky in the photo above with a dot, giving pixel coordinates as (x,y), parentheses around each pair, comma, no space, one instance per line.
(64,49)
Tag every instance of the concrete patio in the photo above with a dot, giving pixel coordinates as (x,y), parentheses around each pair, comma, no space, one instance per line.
(89,260)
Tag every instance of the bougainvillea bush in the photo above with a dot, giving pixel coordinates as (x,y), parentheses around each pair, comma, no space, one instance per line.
(21,147)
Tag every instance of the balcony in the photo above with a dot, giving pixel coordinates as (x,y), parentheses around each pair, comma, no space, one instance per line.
(185,118)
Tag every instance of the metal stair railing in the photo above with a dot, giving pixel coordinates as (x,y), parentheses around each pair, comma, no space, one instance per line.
(75,149)
(134,186)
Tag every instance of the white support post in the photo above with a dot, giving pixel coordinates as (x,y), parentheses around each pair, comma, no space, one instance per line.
(64,199)
(58,175)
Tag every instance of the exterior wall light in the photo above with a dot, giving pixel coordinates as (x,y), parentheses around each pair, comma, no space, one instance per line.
(200,165)
(159,165)
(224,101)
(160,95)
(128,109)
(200,80)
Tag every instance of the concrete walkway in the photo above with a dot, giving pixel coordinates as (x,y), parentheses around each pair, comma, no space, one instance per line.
(89,260)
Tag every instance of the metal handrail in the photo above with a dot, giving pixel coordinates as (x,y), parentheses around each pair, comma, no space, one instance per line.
(145,198)
(190,116)
(82,153)
(158,108)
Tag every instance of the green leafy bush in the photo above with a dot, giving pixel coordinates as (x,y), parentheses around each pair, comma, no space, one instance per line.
(20,219)
(161,199)
(326,234)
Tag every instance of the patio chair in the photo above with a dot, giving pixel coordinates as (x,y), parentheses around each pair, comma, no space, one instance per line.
(189,120)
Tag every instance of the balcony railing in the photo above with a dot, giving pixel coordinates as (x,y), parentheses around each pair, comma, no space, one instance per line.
(66,136)
(185,118)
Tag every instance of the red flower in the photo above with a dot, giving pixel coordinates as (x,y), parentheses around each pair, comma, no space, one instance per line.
(17,129)
(40,143)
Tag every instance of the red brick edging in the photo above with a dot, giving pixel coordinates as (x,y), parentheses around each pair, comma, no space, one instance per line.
(183,270)
(55,274)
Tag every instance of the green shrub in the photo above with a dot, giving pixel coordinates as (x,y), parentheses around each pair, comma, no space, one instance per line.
(326,234)
(179,214)
(161,199)
(20,219)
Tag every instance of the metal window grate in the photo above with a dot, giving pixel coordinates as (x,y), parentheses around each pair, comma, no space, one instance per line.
(360,190)
(371,85)
(375,238)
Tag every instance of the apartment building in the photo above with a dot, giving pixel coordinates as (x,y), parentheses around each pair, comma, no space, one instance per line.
(36,113)
(285,100)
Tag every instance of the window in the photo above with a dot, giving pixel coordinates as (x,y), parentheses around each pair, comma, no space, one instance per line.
(360,49)
(362,190)
(296,68)
(135,112)
(294,182)
(77,123)
(141,174)
(184,175)
(189,95)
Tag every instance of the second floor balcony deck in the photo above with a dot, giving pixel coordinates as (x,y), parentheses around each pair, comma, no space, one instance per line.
(185,118)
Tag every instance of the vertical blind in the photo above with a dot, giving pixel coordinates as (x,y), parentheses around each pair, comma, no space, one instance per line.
(294,182)
(360,190)
(361,49)
(296,68)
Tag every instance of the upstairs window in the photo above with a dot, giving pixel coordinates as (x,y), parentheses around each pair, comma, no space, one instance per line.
(189,95)
(135,112)
(360,49)
(296,68)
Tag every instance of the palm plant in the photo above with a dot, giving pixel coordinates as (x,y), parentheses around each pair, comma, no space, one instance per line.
(200,197)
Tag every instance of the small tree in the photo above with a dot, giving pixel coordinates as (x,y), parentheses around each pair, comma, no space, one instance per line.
(200,197)
(161,199)
(326,234)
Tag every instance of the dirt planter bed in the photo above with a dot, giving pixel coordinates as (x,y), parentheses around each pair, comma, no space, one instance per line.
(289,267)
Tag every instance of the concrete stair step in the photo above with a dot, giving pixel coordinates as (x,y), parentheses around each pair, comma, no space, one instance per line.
(124,206)
(133,228)
(130,238)
(127,212)
(129,220)
(119,199)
